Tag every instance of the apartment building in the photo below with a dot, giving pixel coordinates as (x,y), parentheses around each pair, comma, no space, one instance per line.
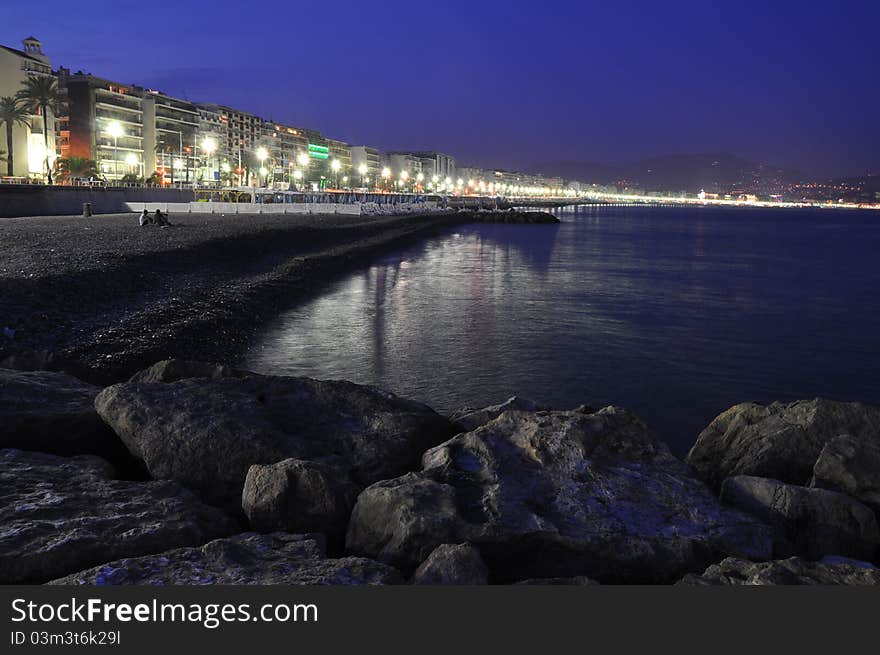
(28,146)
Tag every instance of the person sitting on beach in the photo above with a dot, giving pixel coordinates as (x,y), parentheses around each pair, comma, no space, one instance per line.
(161,219)
(144,218)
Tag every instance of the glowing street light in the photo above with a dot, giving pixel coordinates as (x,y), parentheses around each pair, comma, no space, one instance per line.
(386,173)
(209,147)
(114,129)
(263,155)
(362,169)
(336,165)
(131,160)
(303,160)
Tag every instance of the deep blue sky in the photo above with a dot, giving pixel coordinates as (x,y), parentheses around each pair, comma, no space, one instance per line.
(507,84)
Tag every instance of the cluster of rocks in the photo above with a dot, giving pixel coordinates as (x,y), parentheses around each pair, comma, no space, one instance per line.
(195,473)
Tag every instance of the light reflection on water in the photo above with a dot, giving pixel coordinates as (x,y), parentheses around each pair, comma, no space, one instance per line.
(674,313)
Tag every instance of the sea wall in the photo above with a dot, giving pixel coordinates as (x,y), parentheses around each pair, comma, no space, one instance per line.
(60,201)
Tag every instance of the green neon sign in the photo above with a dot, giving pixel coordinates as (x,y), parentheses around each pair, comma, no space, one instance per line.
(318,152)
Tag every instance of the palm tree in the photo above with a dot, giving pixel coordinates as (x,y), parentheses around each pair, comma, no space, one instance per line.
(73,167)
(41,93)
(12,113)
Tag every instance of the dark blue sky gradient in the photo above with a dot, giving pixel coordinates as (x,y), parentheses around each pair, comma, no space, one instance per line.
(508,84)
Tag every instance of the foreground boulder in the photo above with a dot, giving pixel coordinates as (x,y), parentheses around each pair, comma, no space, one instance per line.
(172,370)
(458,564)
(59,515)
(556,494)
(249,558)
(298,496)
(53,413)
(792,571)
(779,441)
(814,522)
(206,433)
(470,419)
(852,466)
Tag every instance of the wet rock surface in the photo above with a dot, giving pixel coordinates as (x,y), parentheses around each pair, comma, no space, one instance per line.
(63,514)
(556,494)
(456,564)
(779,441)
(791,571)
(813,522)
(206,434)
(249,558)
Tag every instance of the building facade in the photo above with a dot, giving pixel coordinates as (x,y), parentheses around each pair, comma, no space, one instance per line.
(366,165)
(28,147)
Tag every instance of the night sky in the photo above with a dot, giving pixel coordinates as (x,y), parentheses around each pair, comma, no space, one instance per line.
(509,84)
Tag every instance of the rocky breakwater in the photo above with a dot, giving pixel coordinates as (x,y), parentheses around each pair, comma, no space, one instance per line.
(810,469)
(555,494)
(255,479)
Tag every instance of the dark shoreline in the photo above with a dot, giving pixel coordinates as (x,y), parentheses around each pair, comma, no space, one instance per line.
(101,298)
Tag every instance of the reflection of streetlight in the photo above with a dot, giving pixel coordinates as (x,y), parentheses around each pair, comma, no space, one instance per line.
(336,165)
(209,146)
(114,129)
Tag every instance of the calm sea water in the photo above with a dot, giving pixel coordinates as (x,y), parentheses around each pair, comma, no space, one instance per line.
(675,313)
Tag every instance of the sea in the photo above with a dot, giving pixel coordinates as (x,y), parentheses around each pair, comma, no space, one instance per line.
(675,313)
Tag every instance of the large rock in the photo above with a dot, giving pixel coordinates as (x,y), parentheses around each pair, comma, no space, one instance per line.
(53,413)
(172,370)
(777,441)
(298,496)
(206,433)
(792,571)
(249,558)
(458,564)
(814,522)
(59,515)
(556,494)
(469,418)
(850,465)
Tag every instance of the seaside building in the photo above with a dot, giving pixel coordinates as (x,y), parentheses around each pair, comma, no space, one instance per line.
(339,152)
(171,127)
(28,145)
(434,165)
(106,124)
(371,160)
(131,131)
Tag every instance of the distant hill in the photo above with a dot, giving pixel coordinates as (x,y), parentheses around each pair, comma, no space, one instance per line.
(714,172)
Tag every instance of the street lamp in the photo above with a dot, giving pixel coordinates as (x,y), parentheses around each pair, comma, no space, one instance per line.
(114,129)
(303,160)
(132,160)
(209,146)
(362,169)
(386,173)
(263,155)
(336,165)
